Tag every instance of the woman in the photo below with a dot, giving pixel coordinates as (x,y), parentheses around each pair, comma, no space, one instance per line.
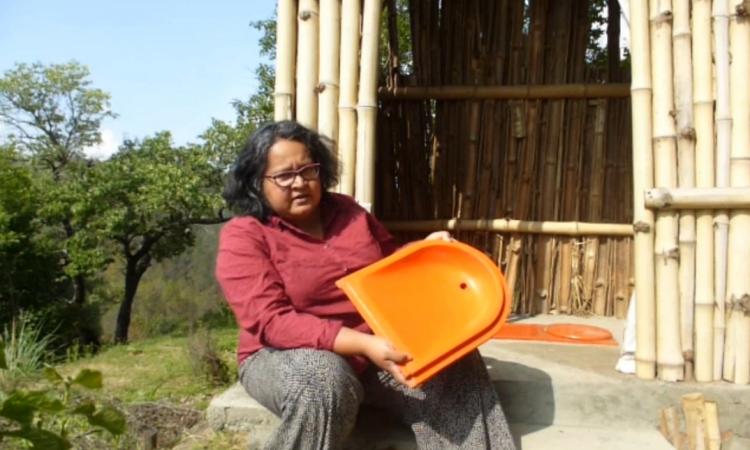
(304,352)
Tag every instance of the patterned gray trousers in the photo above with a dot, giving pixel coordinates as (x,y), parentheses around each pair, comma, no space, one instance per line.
(317,396)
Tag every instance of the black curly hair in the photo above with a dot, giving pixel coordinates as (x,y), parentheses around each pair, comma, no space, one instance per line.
(243,190)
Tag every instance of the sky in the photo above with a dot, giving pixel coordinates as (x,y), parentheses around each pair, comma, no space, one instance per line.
(167,64)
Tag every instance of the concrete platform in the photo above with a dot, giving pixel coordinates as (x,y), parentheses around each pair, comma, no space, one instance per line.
(556,396)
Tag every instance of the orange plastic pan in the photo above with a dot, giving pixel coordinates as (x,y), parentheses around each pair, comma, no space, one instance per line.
(562,333)
(435,300)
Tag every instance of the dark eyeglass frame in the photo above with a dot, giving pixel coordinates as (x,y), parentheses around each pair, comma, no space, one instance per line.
(309,176)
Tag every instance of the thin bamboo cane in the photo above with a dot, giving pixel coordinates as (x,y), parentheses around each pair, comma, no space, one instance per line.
(683,95)
(527,92)
(515,226)
(670,363)
(328,78)
(367,105)
(307,63)
(349,75)
(565,275)
(738,282)
(643,170)
(704,131)
(286,35)
(723,146)
(700,197)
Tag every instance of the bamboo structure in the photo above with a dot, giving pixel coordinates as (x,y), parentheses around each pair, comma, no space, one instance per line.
(737,346)
(307,64)
(286,34)
(704,148)
(643,180)
(496,124)
(328,78)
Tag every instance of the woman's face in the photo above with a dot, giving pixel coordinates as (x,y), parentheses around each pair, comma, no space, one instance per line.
(298,202)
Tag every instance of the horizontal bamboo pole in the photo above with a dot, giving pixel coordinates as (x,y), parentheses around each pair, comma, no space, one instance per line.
(516,226)
(539,91)
(697,198)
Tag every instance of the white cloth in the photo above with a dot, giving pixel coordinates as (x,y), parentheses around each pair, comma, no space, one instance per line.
(626,362)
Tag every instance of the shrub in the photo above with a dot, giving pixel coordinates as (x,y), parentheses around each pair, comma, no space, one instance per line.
(205,360)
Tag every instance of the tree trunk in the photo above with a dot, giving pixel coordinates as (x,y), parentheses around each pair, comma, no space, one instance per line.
(136,266)
(79,290)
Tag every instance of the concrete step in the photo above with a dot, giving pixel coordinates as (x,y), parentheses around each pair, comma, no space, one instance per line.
(551,393)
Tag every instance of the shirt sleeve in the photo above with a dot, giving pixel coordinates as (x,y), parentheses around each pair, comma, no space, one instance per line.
(255,293)
(386,241)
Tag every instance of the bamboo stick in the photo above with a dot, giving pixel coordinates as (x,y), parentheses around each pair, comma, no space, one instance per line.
(643,170)
(367,105)
(526,92)
(286,35)
(307,64)
(328,78)
(683,95)
(704,131)
(738,281)
(713,432)
(349,74)
(515,226)
(694,410)
(723,146)
(700,197)
(670,363)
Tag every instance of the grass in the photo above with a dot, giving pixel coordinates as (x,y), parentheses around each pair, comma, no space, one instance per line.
(157,369)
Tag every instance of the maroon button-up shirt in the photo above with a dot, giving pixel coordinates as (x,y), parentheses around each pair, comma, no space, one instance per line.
(279,280)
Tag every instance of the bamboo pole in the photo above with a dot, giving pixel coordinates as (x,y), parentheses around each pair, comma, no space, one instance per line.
(683,95)
(526,92)
(723,145)
(367,105)
(328,78)
(307,64)
(515,226)
(700,197)
(349,74)
(643,170)
(703,106)
(738,281)
(670,363)
(286,35)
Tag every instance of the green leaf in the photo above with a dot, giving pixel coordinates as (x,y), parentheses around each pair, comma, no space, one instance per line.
(40,439)
(52,375)
(87,378)
(20,406)
(85,409)
(109,418)
(3,364)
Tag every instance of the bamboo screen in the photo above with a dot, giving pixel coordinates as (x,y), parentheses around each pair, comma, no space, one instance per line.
(538,159)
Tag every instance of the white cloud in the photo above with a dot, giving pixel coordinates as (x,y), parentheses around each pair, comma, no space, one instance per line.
(105,149)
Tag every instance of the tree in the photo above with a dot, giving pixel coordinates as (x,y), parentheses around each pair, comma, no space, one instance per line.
(53,113)
(140,205)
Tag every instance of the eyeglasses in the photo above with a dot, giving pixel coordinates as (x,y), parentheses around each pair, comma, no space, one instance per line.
(285,179)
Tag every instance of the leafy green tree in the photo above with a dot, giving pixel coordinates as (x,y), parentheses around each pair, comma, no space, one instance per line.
(140,205)
(28,278)
(53,114)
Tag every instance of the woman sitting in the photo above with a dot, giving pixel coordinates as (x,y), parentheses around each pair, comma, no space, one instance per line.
(304,352)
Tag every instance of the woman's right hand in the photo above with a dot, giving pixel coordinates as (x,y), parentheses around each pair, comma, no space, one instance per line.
(350,342)
(385,356)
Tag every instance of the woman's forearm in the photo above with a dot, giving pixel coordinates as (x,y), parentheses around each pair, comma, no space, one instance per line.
(350,342)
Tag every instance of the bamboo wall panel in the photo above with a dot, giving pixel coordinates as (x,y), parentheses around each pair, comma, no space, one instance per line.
(520,150)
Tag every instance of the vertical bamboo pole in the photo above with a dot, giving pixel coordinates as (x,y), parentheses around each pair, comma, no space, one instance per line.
(307,64)
(670,363)
(683,94)
(737,369)
(367,105)
(330,30)
(723,145)
(286,35)
(643,219)
(703,106)
(349,74)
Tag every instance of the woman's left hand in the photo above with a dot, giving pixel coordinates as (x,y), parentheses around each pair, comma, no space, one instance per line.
(440,236)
